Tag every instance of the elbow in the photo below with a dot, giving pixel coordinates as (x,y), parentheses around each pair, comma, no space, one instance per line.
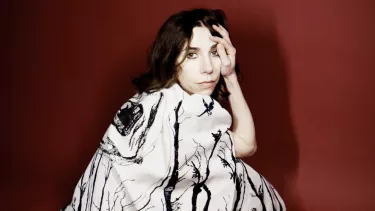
(252,147)
(247,151)
(244,146)
(251,150)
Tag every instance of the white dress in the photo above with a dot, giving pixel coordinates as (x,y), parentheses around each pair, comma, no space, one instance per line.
(171,151)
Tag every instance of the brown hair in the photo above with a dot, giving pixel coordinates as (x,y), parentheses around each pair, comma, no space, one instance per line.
(170,40)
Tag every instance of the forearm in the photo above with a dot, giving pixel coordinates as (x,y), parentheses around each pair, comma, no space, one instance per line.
(243,124)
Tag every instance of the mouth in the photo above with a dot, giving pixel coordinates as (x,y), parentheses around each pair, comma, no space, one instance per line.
(207,82)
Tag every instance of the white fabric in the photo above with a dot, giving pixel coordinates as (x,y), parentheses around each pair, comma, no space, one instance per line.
(171,151)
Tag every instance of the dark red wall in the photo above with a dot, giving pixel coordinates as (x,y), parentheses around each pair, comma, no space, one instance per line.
(309,73)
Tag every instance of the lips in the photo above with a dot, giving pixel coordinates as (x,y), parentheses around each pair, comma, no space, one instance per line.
(207,82)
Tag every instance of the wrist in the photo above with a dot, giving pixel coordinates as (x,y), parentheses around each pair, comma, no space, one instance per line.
(231,82)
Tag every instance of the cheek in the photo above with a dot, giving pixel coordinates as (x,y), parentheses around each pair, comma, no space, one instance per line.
(190,71)
(182,76)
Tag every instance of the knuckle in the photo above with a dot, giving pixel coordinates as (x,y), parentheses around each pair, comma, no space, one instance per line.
(226,64)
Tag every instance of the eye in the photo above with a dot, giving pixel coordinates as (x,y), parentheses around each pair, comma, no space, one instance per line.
(214,53)
(191,55)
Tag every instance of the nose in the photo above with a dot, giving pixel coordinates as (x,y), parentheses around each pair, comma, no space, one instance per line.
(206,65)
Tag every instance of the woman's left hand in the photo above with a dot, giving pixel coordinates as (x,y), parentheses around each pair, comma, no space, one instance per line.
(226,51)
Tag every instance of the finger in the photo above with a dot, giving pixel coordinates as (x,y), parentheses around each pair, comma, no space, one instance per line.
(223,32)
(223,55)
(222,28)
(228,46)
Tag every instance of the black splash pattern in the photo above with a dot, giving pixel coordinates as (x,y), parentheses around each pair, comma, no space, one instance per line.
(127,117)
(106,186)
(139,140)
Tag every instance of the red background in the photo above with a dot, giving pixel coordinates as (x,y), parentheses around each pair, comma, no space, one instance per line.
(309,72)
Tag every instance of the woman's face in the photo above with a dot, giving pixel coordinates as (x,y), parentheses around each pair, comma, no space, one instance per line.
(200,71)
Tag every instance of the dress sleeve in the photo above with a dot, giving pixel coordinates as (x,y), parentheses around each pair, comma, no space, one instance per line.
(230,133)
(135,126)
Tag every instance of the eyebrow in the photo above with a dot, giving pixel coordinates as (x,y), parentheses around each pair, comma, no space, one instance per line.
(196,48)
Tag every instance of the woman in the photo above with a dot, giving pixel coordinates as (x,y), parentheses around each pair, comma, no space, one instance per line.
(170,147)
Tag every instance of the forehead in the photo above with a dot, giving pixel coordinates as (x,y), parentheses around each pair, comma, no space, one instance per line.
(201,38)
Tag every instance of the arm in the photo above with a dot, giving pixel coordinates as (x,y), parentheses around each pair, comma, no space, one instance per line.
(243,126)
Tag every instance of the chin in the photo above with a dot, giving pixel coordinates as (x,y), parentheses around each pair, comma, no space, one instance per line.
(206,92)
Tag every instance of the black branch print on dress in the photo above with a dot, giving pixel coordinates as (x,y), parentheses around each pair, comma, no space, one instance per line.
(200,184)
(94,180)
(92,169)
(110,208)
(271,193)
(238,178)
(174,177)
(277,198)
(83,185)
(82,188)
(258,193)
(176,204)
(120,190)
(233,169)
(209,107)
(108,169)
(133,170)
(142,137)
(152,192)
(108,147)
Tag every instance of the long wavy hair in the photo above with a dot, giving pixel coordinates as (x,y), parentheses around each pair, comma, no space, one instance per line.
(171,38)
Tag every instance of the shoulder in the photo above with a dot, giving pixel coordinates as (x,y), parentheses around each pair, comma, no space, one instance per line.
(164,100)
(143,100)
(169,95)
